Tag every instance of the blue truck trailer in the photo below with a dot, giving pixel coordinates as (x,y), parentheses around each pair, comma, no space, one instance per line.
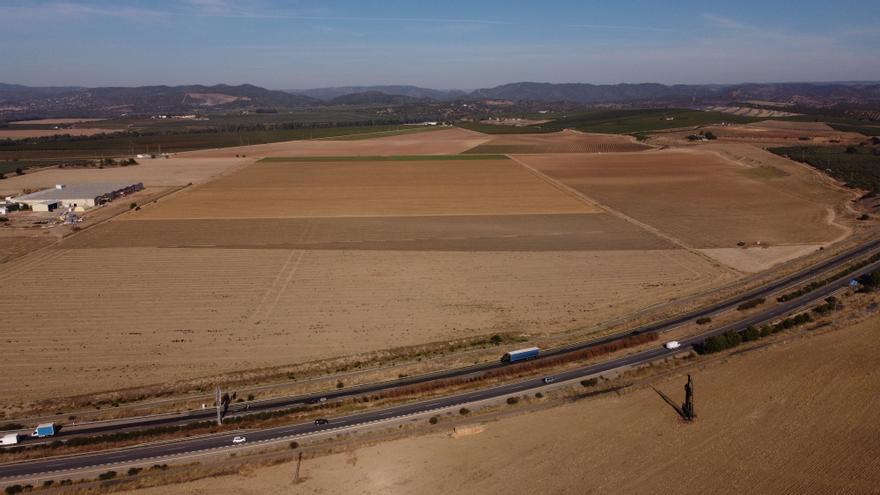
(520,355)
(45,430)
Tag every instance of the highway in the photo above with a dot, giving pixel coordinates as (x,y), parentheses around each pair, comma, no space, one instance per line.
(831,264)
(149,453)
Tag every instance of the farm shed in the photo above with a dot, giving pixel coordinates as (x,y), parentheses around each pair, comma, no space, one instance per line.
(80,196)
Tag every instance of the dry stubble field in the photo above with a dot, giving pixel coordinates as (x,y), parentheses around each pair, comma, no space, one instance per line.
(567,141)
(274,263)
(798,418)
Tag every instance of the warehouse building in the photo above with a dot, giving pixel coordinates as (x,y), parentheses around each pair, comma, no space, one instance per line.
(80,197)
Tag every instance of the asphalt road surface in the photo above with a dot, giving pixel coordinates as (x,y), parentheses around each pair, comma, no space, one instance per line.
(146,454)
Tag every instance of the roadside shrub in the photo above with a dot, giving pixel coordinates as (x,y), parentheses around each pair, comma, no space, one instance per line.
(704,320)
(339,384)
(109,475)
(751,333)
(13,489)
(865,216)
(464,411)
(496,339)
(294,445)
(751,303)
(539,395)
(132,206)
(433,420)
(48,483)
(591,382)
(250,397)
(134,471)
(513,400)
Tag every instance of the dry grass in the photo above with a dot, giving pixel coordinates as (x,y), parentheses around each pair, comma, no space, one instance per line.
(145,315)
(792,418)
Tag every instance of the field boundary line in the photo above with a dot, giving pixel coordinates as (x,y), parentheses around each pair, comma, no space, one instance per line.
(623,216)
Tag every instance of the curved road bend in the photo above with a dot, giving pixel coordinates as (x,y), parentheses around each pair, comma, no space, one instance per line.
(224,440)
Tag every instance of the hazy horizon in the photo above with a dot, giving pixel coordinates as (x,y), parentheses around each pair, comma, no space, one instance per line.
(456,45)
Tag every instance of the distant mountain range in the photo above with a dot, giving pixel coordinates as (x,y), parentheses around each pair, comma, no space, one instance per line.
(114,101)
(24,101)
(328,94)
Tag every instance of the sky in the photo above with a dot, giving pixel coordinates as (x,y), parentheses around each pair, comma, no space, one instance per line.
(439,44)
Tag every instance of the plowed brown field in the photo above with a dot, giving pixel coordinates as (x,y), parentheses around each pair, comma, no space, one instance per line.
(567,141)
(572,232)
(700,198)
(326,189)
(435,142)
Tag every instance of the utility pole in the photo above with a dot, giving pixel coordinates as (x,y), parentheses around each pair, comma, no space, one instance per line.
(688,407)
(219,408)
(299,461)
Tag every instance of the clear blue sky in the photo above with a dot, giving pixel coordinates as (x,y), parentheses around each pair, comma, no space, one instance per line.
(441,44)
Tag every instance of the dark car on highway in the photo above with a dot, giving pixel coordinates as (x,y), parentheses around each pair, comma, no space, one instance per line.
(321,421)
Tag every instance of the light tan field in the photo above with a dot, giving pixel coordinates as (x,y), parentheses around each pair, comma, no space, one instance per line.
(159,172)
(327,189)
(11,133)
(434,142)
(55,121)
(101,319)
(567,141)
(702,199)
(799,418)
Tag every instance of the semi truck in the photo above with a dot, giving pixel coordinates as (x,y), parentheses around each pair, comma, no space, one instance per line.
(520,355)
(9,439)
(44,430)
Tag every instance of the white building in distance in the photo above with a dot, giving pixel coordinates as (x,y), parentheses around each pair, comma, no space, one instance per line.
(81,196)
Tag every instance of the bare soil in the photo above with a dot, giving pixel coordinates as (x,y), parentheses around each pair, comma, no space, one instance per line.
(328,189)
(700,198)
(435,142)
(567,141)
(540,232)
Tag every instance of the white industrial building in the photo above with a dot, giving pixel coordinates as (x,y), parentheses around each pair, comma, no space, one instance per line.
(80,197)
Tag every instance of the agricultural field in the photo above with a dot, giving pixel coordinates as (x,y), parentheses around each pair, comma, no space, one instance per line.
(119,145)
(108,318)
(701,199)
(330,248)
(445,141)
(858,166)
(343,188)
(18,132)
(768,132)
(566,141)
(618,122)
(795,418)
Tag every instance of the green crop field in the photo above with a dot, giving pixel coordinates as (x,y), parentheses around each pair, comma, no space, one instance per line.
(381,158)
(619,122)
(859,167)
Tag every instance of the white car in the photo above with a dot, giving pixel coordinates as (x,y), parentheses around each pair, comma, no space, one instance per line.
(672,344)
(238,440)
